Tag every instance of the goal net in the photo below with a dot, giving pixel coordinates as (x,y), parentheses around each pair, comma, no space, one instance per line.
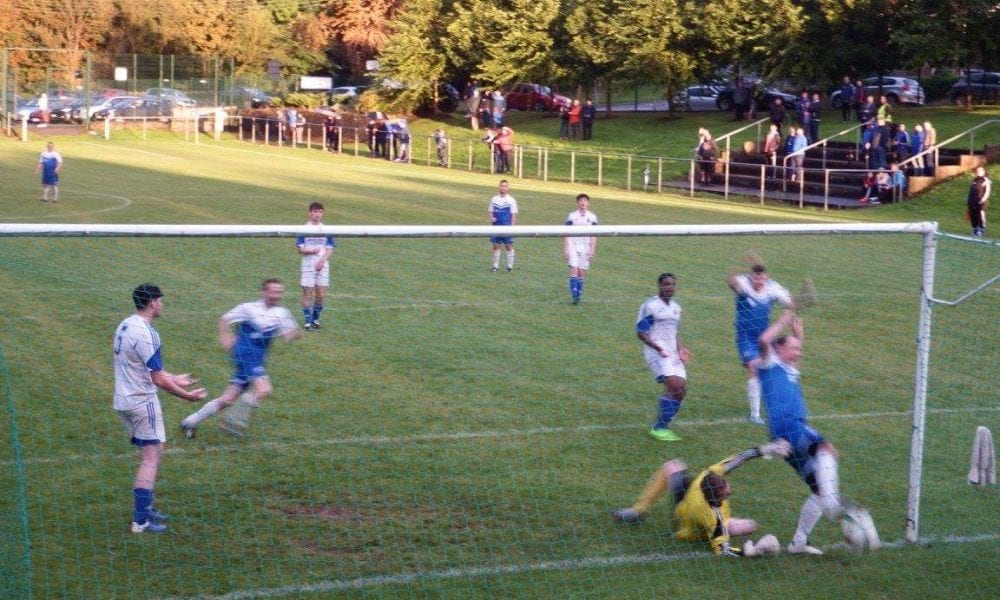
(454,432)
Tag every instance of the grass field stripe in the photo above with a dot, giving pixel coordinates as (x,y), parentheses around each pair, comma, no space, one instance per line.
(157,154)
(663,198)
(556,565)
(477,435)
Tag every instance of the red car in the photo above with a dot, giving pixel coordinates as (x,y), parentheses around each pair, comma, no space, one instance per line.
(532,96)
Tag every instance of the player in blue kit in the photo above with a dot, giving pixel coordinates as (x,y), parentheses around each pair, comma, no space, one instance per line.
(315,278)
(503,211)
(49,164)
(257,325)
(658,327)
(755,294)
(813,457)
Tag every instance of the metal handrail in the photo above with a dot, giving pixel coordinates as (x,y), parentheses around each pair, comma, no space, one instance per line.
(970,132)
(729,135)
(822,142)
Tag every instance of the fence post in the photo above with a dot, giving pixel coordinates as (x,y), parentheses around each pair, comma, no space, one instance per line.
(539,162)
(826,189)
(572,166)
(600,168)
(763,176)
(628,173)
(470,155)
(659,175)
(545,166)
(725,180)
(802,189)
(309,136)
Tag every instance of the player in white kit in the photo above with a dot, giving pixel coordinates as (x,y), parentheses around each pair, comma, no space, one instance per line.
(315,279)
(579,250)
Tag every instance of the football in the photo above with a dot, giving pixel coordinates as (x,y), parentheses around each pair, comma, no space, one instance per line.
(859,530)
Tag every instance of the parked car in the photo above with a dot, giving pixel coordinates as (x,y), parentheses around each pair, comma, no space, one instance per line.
(144,106)
(898,90)
(176,97)
(244,96)
(112,107)
(533,96)
(982,86)
(724,101)
(699,98)
(448,97)
(344,94)
(98,102)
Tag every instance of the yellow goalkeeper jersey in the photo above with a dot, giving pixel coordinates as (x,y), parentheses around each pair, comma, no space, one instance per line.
(695,520)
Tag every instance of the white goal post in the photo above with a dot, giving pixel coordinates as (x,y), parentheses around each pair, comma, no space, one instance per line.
(928,230)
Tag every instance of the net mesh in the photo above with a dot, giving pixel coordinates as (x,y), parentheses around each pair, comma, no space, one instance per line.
(451,432)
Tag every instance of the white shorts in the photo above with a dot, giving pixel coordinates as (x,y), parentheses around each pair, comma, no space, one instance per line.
(145,423)
(579,257)
(671,366)
(312,278)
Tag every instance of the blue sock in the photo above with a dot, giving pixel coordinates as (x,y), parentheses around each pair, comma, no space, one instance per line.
(307,312)
(579,286)
(668,410)
(317,308)
(572,286)
(143,500)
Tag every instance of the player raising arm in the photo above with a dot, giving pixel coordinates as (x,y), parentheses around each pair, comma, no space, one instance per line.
(701,503)
(257,325)
(813,457)
(755,293)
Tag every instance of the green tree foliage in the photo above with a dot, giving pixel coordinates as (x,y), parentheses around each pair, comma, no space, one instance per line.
(585,49)
(413,54)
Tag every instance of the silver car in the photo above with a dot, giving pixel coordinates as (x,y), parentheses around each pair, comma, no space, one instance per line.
(700,97)
(898,90)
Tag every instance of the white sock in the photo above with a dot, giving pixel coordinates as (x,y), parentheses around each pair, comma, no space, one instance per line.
(810,514)
(55,194)
(510,259)
(828,482)
(240,411)
(496,259)
(753,396)
(210,408)
(45,193)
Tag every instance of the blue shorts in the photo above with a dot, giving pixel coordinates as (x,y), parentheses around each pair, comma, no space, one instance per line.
(246,372)
(804,440)
(50,179)
(748,349)
(502,240)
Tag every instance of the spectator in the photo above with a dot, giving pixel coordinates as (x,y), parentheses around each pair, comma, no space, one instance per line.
(814,118)
(901,144)
(846,99)
(739,100)
(880,142)
(563,122)
(867,137)
(43,107)
(486,110)
(505,147)
(891,184)
(868,110)
(858,99)
(771,144)
(382,139)
(587,115)
(470,99)
(805,114)
(778,114)
(754,94)
(291,135)
(441,143)
(930,141)
(498,106)
(869,189)
(491,140)
(706,161)
(574,120)
(402,133)
(331,127)
(916,147)
(798,155)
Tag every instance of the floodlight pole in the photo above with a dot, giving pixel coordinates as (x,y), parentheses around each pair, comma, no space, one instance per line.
(920,388)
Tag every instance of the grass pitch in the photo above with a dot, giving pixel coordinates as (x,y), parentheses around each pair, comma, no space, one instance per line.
(452,432)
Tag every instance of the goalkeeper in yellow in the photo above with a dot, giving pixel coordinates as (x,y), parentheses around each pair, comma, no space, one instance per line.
(701,503)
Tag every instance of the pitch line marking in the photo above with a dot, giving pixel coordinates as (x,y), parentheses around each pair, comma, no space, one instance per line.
(472,435)
(124,203)
(360,583)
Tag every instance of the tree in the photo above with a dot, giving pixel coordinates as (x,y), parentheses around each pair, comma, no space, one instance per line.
(362,26)
(73,25)
(413,54)
(585,47)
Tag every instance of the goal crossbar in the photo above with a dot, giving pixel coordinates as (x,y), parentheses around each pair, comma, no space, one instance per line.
(446,231)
